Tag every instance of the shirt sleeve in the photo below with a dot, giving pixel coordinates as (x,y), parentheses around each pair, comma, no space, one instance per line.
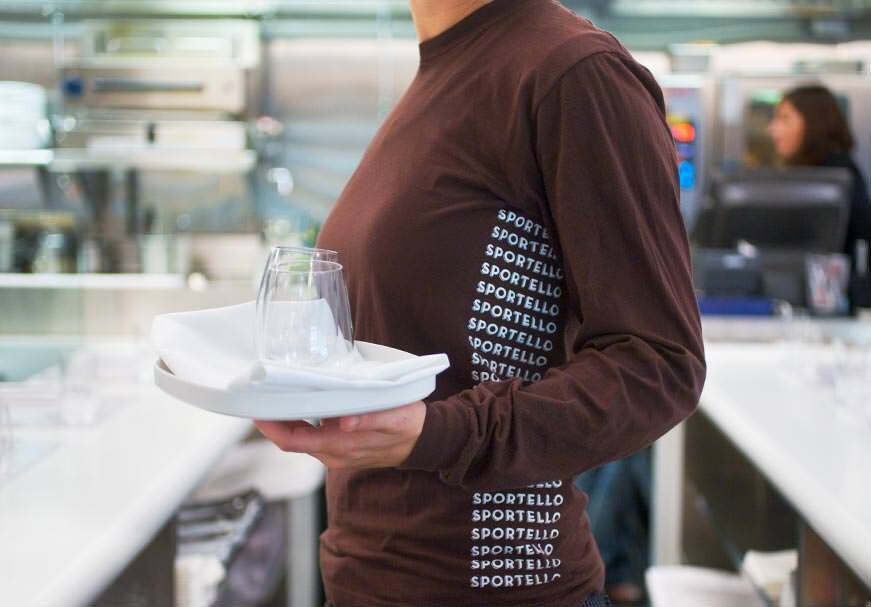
(636,367)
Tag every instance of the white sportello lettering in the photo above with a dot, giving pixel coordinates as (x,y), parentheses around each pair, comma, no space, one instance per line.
(505,235)
(525,281)
(522,319)
(524,262)
(509,581)
(519,549)
(545,549)
(514,533)
(511,331)
(518,355)
(547,485)
(510,296)
(505,313)
(519,221)
(521,499)
(528,302)
(484,376)
(496,369)
(521,338)
(544,249)
(516,563)
(536,517)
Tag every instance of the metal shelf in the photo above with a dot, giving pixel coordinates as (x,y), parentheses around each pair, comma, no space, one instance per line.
(19,158)
(737,8)
(67,160)
(135,282)
(211,8)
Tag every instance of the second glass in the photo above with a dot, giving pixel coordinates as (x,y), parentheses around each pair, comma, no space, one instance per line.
(303,315)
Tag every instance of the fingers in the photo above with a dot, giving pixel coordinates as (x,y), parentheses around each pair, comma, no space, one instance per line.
(303,438)
(277,431)
(378,439)
(299,437)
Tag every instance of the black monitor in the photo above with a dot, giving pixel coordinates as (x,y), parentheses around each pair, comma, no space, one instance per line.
(799,209)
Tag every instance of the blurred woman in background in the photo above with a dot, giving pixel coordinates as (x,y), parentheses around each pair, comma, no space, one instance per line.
(810,129)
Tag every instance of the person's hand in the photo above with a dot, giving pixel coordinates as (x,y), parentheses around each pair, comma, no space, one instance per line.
(372,440)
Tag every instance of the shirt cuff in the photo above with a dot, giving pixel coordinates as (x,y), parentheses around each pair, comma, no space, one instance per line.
(441,442)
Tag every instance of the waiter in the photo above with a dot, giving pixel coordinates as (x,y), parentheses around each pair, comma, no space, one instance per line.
(517,210)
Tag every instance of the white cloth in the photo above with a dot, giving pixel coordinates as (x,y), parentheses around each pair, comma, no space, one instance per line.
(216,348)
(770,570)
(687,586)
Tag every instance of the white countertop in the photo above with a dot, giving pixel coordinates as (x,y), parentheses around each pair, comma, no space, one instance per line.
(816,454)
(71,522)
(775,328)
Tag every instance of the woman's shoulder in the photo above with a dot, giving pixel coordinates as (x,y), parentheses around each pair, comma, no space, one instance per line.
(845,161)
(839,160)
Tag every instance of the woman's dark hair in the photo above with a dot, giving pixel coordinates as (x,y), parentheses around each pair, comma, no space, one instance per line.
(825,127)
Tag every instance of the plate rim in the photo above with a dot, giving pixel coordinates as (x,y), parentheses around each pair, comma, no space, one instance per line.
(216,400)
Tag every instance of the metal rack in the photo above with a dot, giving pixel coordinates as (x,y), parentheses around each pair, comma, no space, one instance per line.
(739,8)
(67,160)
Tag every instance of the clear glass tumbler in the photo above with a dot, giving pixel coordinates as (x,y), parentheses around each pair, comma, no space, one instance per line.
(303,315)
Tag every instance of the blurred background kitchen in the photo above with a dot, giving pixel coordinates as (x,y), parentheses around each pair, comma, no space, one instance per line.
(151,152)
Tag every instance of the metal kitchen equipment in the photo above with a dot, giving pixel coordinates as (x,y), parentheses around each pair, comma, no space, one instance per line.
(154,113)
(148,93)
(689,100)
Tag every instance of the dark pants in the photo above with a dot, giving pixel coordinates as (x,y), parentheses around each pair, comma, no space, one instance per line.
(619,515)
(598,600)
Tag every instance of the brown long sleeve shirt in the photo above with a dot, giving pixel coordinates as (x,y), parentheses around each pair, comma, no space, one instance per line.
(517,210)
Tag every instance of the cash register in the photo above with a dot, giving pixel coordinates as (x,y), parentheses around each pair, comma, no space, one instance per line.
(774,235)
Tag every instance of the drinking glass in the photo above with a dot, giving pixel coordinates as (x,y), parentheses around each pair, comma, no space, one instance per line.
(303,315)
(313,252)
(281,256)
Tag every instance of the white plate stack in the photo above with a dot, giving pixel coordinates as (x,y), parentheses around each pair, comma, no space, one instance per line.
(208,359)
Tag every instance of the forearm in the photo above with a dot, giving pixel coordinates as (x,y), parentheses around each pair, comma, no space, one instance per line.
(619,394)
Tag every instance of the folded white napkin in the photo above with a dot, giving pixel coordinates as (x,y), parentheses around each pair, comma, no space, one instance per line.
(216,348)
(770,570)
